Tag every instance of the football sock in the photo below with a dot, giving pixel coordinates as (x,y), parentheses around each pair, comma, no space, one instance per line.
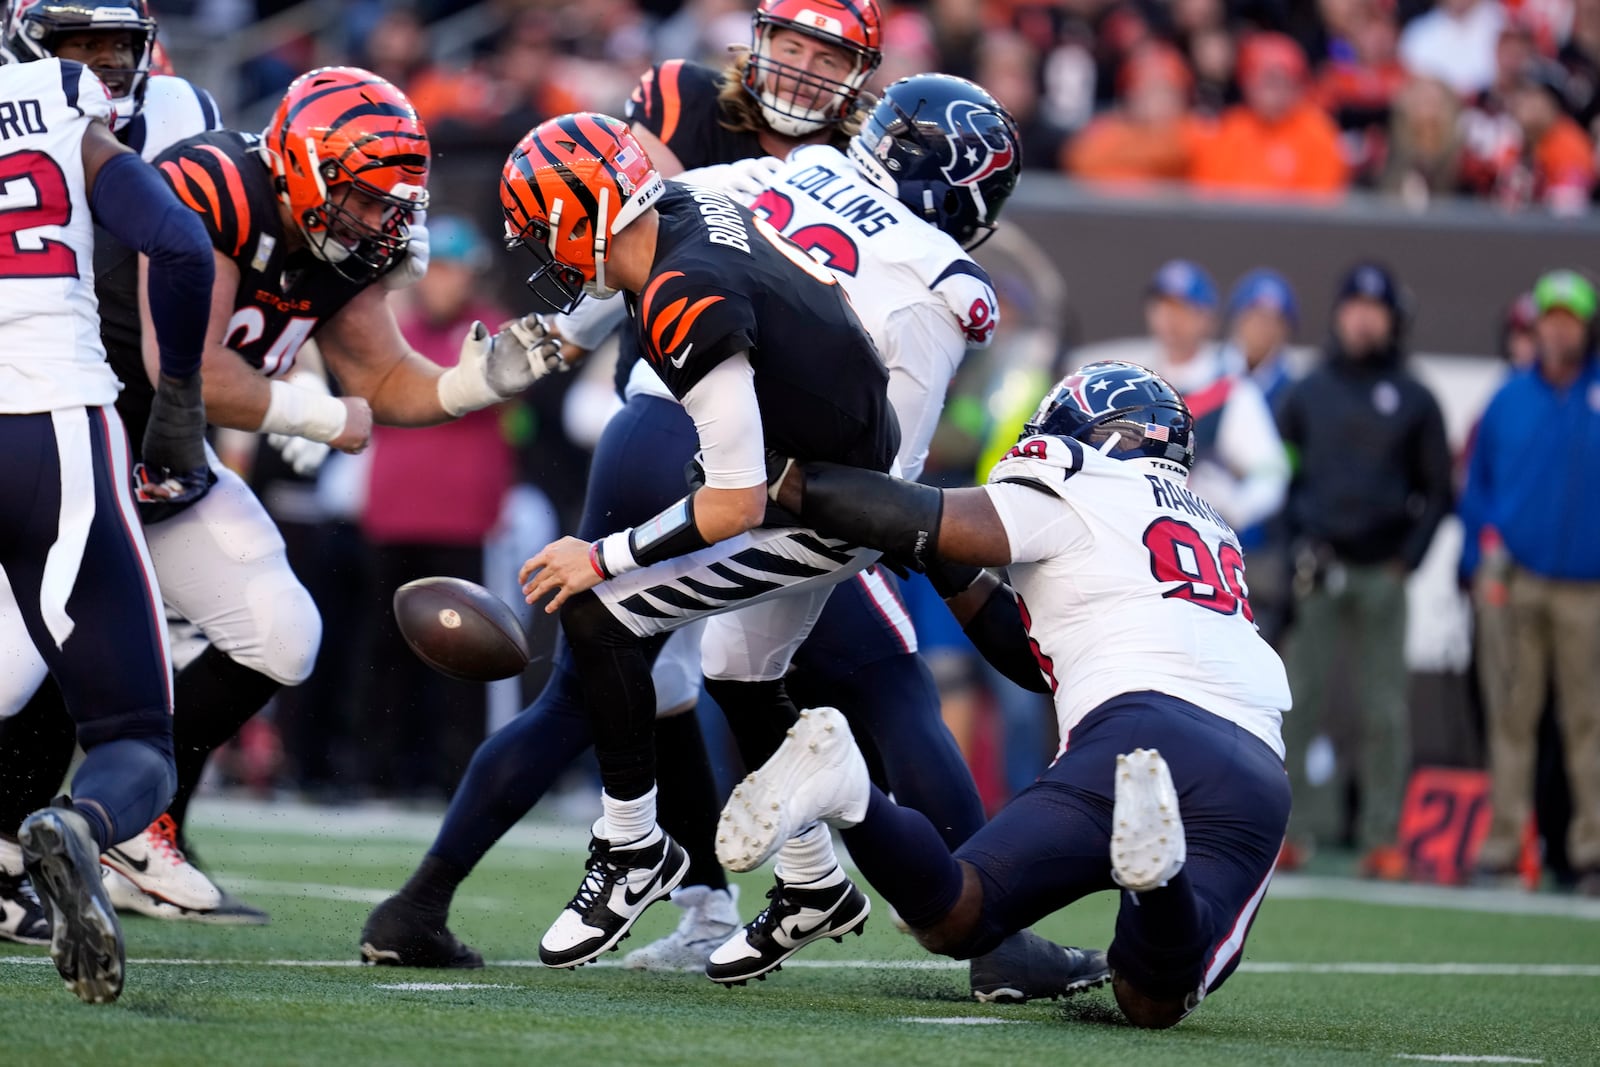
(1162,939)
(895,703)
(687,804)
(613,667)
(759,715)
(628,820)
(211,698)
(122,786)
(807,856)
(37,742)
(433,885)
(513,768)
(904,858)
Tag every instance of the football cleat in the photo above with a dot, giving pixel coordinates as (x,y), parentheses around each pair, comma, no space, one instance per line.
(1147,841)
(710,917)
(127,897)
(619,883)
(22,917)
(58,851)
(817,774)
(153,862)
(796,916)
(1029,967)
(398,933)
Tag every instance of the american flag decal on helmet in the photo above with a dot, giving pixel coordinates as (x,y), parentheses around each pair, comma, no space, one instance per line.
(1152,432)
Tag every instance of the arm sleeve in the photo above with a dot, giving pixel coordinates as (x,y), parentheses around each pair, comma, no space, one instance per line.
(132,202)
(923,349)
(592,321)
(1038,523)
(1430,479)
(728,421)
(1250,448)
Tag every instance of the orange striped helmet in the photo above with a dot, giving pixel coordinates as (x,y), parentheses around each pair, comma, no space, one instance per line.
(568,187)
(350,159)
(797,100)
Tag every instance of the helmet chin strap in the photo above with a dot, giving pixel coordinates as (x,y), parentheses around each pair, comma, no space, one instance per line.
(602,242)
(1110,443)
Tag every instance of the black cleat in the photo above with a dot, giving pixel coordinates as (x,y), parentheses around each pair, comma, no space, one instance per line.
(400,934)
(798,915)
(1028,967)
(63,863)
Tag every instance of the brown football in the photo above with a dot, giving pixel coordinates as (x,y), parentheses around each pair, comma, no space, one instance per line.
(461,629)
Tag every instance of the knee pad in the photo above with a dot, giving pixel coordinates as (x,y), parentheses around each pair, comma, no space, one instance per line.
(288,630)
(587,620)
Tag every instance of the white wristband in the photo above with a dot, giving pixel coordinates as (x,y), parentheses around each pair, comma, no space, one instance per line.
(616,555)
(297,412)
(463,389)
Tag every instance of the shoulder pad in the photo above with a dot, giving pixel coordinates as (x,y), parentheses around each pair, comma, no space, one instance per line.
(1042,461)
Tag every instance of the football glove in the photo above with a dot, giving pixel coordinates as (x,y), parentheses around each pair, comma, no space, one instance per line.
(174,472)
(414,264)
(743,179)
(499,366)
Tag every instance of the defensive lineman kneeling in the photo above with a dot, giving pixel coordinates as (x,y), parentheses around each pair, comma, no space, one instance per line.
(1170,781)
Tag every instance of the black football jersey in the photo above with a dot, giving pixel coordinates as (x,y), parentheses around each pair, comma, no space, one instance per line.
(724,282)
(677,101)
(283,297)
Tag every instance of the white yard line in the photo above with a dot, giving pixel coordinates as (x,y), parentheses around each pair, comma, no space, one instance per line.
(1449,1058)
(347,893)
(1441,970)
(961,1020)
(438,987)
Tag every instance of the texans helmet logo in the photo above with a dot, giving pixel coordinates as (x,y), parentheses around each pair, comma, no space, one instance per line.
(1100,393)
(978,143)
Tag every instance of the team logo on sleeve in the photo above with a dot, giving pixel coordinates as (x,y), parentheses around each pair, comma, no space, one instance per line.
(979,143)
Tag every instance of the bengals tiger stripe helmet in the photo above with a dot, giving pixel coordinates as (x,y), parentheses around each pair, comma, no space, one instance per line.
(569,187)
(794,101)
(349,157)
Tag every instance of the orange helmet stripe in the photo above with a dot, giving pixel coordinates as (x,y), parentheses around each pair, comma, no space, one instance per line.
(671,98)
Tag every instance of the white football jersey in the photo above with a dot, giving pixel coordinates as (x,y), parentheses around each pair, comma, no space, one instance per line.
(50,351)
(174,108)
(920,296)
(1129,581)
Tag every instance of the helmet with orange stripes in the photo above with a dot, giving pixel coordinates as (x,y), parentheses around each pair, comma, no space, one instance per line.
(570,186)
(349,157)
(797,100)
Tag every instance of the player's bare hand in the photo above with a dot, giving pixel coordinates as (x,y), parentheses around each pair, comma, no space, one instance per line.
(357,433)
(561,567)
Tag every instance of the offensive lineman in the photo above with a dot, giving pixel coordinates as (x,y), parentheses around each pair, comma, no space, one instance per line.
(70,539)
(1170,781)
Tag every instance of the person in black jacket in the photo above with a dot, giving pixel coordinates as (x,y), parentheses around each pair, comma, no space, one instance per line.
(1371,483)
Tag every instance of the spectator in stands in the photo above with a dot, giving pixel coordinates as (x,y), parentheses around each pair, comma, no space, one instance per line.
(1426,148)
(1240,465)
(1358,86)
(1519,343)
(1150,135)
(1529,522)
(1262,314)
(1455,42)
(1556,167)
(1493,140)
(1278,140)
(1581,56)
(1372,481)
(433,496)
(1008,66)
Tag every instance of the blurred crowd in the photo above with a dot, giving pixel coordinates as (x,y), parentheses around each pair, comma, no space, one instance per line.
(1481,98)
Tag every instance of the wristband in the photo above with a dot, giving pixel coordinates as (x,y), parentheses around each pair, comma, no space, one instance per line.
(614,555)
(297,412)
(463,389)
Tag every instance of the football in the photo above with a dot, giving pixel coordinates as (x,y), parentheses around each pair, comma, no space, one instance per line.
(461,629)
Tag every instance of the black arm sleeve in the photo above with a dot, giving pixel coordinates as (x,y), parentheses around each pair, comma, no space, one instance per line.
(140,210)
(880,511)
(999,636)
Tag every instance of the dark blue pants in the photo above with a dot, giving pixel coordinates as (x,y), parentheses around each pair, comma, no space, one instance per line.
(859,643)
(112,667)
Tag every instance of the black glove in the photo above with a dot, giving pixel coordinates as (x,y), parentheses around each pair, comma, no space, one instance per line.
(174,473)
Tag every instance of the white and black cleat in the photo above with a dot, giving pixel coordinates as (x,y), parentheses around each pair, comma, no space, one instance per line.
(710,917)
(795,916)
(1147,839)
(60,855)
(817,775)
(22,916)
(619,883)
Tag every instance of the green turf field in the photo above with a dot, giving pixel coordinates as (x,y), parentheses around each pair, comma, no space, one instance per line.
(1327,980)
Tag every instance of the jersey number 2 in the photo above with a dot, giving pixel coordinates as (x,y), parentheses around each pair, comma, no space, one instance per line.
(33,193)
(1179,554)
